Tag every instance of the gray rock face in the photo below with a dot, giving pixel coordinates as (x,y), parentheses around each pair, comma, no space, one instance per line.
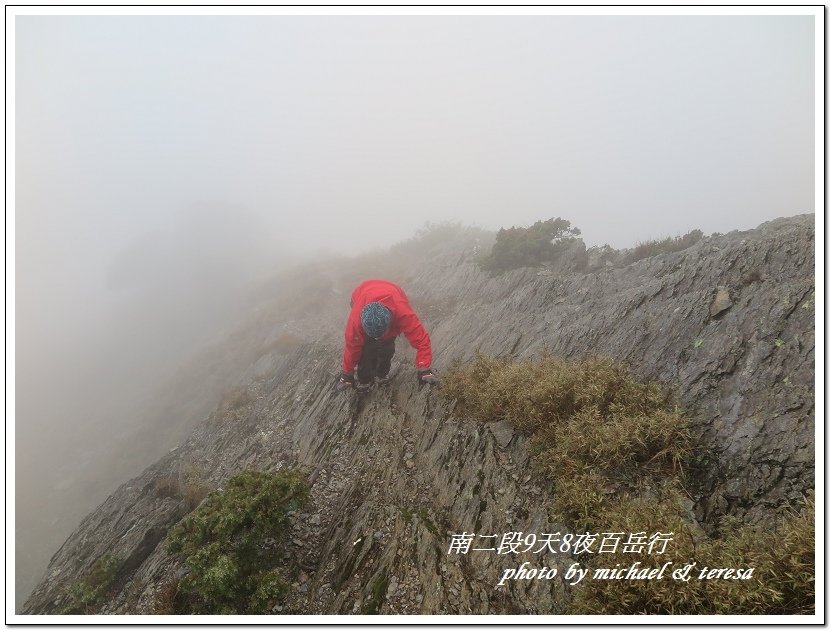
(721,302)
(397,476)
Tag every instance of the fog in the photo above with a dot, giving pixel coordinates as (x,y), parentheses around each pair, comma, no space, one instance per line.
(164,166)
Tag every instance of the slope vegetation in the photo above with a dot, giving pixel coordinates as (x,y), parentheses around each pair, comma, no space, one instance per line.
(723,329)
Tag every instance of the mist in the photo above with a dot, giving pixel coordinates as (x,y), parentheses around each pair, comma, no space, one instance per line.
(165,167)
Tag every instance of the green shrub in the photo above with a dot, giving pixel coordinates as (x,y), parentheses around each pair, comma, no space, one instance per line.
(269,589)
(667,245)
(232,570)
(86,594)
(543,242)
(615,451)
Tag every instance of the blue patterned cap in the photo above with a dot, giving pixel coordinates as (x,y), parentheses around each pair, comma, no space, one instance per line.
(375,319)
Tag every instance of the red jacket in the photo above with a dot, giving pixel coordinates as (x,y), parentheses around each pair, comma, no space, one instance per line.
(404,320)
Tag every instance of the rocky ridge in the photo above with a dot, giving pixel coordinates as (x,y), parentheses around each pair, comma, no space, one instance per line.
(727,324)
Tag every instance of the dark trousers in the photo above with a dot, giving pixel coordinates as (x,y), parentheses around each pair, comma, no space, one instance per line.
(376,360)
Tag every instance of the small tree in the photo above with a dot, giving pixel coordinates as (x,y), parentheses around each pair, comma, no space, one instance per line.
(542,242)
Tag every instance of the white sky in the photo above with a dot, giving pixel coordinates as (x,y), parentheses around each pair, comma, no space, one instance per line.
(342,133)
(346,132)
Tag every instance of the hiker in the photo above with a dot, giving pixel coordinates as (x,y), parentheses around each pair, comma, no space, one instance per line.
(380,312)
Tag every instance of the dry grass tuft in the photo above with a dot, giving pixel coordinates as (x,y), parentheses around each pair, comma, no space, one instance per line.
(782,562)
(166,600)
(615,452)
(168,487)
(235,399)
(667,245)
(191,491)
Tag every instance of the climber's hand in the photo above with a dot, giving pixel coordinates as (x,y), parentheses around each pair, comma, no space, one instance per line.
(427,377)
(343,382)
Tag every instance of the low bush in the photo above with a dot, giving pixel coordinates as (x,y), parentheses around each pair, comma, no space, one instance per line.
(647,249)
(615,451)
(543,242)
(232,568)
(87,593)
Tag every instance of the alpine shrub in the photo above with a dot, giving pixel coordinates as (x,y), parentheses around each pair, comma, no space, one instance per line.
(225,543)
(542,242)
(87,593)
